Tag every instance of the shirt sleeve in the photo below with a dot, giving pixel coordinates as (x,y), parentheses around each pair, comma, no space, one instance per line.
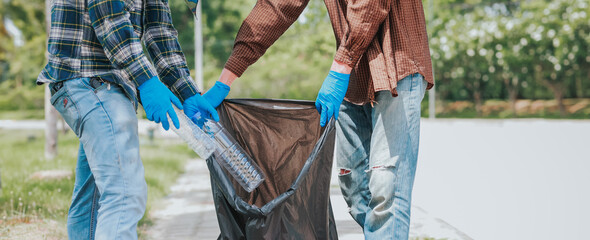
(161,40)
(363,18)
(122,46)
(264,25)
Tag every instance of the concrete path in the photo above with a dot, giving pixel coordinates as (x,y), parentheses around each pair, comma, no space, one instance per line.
(507,179)
(189,212)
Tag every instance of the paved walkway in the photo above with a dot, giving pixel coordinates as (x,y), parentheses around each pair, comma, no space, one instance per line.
(189,212)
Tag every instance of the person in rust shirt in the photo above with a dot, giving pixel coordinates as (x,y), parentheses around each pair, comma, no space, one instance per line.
(381,70)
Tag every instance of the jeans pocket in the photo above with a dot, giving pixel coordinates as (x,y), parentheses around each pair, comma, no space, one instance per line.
(66,107)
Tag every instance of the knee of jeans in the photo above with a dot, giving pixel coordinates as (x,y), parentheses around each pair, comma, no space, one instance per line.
(138,188)
(138,197)
(344,175)
(377,168)
(130,193)
(382,185)
(347,184)
(381,167)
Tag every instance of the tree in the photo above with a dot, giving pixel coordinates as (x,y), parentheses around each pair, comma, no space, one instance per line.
(495,50)
(25,61)
(51,114)
(556,37)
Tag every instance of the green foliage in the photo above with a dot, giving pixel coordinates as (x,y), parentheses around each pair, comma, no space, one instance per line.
(221,21)
(23,63)
(481,50)
(183,20)
(537,47)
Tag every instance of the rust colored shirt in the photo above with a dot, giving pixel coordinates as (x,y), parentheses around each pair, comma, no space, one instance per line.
(382,40)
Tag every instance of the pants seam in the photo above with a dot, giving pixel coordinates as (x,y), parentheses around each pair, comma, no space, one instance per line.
(92,229)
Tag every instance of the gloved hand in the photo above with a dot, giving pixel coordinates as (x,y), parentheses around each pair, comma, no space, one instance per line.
(331,95)
(155,98)
(217,93)
(198,104)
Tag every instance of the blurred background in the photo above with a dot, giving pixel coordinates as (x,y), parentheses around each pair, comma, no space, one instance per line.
(492,164)
(492,59)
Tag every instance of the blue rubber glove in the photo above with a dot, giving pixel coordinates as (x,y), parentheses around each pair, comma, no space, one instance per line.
(331,95)
(156,98)
(217,93)
(198,104)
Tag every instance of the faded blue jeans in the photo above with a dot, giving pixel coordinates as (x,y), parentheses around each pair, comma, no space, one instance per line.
(377,151)
(110,191)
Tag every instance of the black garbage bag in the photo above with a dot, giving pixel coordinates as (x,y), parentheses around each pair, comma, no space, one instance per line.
(285,139)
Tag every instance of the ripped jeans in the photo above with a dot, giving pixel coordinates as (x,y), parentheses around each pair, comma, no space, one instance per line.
(377,151)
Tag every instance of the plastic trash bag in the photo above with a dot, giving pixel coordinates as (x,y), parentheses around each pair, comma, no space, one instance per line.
(285,139)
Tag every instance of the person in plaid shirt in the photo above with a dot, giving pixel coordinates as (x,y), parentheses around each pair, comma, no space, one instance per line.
(97,73)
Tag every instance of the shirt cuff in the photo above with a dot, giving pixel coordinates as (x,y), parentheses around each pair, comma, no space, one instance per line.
(347,57)
(141,70)
(236,64)
(184,88)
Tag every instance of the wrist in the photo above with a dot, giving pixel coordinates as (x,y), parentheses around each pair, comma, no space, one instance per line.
(148,82)
(227,77)
(340,67)
(192,98)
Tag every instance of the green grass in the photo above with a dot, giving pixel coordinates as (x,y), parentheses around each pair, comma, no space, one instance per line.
(25,200)
(22,114)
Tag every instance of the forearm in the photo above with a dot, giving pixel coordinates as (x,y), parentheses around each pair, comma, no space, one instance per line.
(161,41)
(227,77)
(264,25)
(340,67)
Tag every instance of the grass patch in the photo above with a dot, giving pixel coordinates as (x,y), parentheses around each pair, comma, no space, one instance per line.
(25,200)
(22,114)
(32,229)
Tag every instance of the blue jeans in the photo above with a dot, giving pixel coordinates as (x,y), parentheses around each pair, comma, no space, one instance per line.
(377,151)
(110,191)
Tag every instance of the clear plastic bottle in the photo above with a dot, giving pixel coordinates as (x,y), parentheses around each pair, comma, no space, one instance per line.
(232,156)
(214,139)
(189,132)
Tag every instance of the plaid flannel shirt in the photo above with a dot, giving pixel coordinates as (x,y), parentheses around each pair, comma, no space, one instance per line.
(103,38)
